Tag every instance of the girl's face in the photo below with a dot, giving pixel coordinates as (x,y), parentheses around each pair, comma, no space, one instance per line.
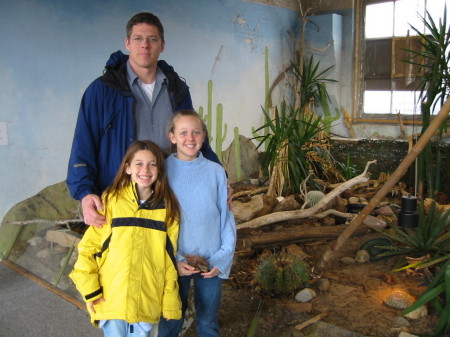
(188,135)
(143,170)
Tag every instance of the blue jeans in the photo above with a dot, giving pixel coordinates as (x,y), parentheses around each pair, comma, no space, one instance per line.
(120,328)
(207,297)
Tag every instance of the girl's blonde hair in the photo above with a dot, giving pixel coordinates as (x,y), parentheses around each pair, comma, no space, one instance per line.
(161,189)
(186,112)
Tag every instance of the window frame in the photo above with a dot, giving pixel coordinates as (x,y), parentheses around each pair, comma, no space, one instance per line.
(359,115)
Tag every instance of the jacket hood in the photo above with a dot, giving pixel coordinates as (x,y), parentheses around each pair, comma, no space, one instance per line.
(115,75)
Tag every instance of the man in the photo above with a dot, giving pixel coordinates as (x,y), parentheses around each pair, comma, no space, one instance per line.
(134,99)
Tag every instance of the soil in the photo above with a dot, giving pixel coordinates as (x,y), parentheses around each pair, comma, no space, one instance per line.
(354,300)
(353,305)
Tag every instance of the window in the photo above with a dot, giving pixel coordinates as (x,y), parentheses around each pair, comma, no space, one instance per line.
(388,84)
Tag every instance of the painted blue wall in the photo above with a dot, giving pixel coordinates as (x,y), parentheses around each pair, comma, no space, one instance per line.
(51,50)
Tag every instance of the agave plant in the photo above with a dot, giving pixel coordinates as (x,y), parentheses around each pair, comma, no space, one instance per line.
(431,237)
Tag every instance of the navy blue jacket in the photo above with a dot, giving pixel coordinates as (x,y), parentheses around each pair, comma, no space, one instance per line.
(106,126)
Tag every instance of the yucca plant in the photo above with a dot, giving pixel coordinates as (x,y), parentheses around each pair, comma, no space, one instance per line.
(432,59)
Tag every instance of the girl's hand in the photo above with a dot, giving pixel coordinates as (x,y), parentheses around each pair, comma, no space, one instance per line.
(90,305)
(212,273)
(185,269)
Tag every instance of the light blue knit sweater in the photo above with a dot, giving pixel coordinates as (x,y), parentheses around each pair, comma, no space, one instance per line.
(207,226)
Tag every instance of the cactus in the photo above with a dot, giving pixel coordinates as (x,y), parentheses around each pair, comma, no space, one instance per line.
(266,89)
(266,96)
(219,137)
(327,114)
(282,274)
(313,197)
(237,154)
(209,115)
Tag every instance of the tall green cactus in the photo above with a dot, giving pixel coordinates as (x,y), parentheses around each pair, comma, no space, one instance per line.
(266,96)
(208,120)
(219,125)
(219,137)
(237,154)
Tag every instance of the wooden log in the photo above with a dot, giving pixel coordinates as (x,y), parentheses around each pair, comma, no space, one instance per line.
(289,236)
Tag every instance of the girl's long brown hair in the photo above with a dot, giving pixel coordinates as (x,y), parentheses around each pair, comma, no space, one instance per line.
(161,189)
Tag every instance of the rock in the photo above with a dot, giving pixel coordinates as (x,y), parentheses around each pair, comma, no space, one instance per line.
(305,295)
(420,312)
(43,253)
(323,285)
(65,238)
(249,164)
(384,210)
(362,256)
(328,221)
(34,241)
(348,260)
(288,204)
(374,222)
(400,321)
(406,334)
(254,182)
(246,211)
(296,251)
(399,299)
(269,204)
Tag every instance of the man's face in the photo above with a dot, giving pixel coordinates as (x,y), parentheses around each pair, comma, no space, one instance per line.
(144,46)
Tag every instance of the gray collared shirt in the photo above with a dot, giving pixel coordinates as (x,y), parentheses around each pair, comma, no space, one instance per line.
(151,116)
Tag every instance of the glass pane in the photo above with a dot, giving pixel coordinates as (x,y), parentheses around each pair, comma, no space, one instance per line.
(436,10)
(377,102)
(376,27)
(406,15)
(404,102)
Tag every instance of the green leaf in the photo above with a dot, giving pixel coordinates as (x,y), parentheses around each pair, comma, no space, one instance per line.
(426,297)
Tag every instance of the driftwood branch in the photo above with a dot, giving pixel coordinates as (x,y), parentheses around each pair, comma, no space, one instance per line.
(53,222)
(310,212)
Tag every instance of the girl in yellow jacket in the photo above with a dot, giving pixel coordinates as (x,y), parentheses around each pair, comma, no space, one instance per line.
(126,270)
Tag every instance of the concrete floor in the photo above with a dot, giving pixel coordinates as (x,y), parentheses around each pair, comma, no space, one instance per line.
(28,308)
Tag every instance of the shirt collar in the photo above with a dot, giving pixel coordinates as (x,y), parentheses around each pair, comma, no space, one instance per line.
(132,77)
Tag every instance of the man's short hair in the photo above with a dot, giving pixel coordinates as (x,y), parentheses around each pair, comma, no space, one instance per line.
(147,18)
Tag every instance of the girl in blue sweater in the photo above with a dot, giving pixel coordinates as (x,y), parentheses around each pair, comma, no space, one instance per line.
(207,236)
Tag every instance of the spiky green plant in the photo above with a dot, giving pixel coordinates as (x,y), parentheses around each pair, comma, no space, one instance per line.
(438,294)
(282,274)
(431,237)
(347,170)
(295,137)
(432,59)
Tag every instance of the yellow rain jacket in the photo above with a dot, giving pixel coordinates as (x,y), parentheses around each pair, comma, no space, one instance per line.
(130,262)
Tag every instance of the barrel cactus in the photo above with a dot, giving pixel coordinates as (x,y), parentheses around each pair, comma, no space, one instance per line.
(282,274)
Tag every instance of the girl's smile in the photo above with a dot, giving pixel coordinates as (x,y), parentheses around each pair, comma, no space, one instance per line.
(188,135)
(143,171)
